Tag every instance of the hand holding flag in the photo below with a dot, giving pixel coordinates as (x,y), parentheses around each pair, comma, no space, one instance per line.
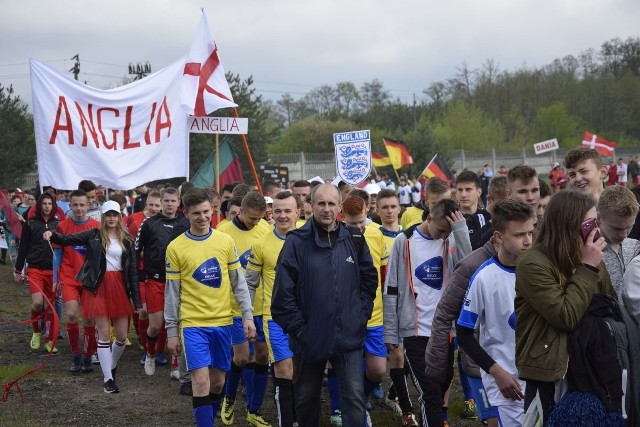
(204,87)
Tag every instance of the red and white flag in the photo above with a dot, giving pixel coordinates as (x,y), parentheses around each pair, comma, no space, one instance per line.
(204,86)
(601,145)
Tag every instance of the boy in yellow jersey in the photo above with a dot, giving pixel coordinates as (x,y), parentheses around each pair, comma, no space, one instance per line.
(398,398)
(354,213)
(261,269)
(202,271)
(246,229)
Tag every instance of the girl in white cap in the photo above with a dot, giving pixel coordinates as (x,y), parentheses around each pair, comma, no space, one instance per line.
(109,273)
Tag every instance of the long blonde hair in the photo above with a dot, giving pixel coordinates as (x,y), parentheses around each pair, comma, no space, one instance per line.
(121,233)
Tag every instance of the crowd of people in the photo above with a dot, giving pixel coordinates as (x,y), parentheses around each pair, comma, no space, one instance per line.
(541,283)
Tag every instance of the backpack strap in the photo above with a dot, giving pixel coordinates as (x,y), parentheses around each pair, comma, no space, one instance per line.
(357,238)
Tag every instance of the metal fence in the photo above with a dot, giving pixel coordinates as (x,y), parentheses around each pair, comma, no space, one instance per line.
(308,165)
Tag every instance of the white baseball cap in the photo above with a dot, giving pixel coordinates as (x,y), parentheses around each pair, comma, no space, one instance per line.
(372,188)
(110,205)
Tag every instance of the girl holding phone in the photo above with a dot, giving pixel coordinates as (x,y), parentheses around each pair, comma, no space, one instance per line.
(555,281)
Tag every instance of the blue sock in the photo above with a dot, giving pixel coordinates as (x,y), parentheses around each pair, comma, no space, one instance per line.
(215,399)
(247,380)
(334,393)
(369,386)
(233,379)
(260,377)
(202,411)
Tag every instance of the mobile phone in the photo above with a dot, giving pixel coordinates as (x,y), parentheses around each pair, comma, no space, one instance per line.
(586,228)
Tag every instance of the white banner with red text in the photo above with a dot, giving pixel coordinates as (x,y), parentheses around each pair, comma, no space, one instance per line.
(119,138)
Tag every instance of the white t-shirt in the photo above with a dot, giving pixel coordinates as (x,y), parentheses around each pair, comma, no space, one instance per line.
(622,172)
(415,191)
(114,255)
(489,305)
(404,194)
(428,267)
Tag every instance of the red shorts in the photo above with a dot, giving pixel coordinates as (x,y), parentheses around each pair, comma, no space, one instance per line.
(143,297)
(40,281)
(111,301)
(71,290)
(154,294)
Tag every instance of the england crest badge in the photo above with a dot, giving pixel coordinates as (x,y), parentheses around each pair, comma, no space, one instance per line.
(353,156)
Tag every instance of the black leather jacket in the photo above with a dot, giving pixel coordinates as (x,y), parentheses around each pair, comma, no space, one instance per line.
(95,262)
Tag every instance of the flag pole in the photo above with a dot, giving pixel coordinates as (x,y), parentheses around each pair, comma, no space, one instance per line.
(246,149)
(218,172)
(397,176)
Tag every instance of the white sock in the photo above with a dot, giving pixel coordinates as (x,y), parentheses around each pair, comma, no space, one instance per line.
(104,354)
(116,351)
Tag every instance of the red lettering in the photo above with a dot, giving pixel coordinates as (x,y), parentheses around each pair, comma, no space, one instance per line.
(89,123)
(116,113)
(147,137)
(62,104)
(127,131)
(159,123)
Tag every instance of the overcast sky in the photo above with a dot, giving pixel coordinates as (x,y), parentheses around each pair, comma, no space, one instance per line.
(294,46)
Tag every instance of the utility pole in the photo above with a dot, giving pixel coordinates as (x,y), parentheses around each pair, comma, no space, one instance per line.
(76,67)
(140,70)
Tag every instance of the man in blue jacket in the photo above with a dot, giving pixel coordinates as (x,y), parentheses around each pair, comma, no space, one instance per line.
(323,297)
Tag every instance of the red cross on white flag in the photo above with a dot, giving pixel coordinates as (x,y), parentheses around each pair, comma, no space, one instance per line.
(204,86)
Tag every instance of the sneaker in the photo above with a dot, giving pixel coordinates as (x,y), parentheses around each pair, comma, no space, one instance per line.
(469,411)
(227,410)
(150,365)
(35,340)
(76,365)
(368,422)
(86,365)
(110,387)
(175,374)
(394,405)
(94,359)
(378,393)
(50,348)
(336,418)
(161,360)
(143,358)
(408,419)
(186,389)
(256,419)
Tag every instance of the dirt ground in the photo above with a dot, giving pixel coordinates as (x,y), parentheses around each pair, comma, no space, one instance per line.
(56,397)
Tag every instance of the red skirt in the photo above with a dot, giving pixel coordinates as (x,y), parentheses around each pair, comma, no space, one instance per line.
(111,301)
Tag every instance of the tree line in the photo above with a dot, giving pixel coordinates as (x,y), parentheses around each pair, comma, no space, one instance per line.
(475,109)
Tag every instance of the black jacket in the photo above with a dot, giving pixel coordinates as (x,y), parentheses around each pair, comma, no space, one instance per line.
(95,262)
(323,291)
(152,240)
(33,248)
(593,355)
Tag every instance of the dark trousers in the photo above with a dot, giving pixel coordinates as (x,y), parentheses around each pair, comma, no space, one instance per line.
(349,373)
(547,391)
(431,393)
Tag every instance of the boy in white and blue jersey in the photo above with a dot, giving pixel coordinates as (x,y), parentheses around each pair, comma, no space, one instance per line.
(489,305)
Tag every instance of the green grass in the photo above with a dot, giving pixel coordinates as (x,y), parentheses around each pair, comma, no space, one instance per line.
(9,372)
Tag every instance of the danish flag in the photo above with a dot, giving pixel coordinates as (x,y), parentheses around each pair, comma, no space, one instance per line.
(598,143)
(204,87)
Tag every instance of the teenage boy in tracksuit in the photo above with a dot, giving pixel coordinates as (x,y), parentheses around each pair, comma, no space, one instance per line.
(421,260)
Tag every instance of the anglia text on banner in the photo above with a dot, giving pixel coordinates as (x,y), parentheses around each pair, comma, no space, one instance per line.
(119,138)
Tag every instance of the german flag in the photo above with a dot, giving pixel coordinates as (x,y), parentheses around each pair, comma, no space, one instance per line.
(398,153)
(380,160)
(439,169)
